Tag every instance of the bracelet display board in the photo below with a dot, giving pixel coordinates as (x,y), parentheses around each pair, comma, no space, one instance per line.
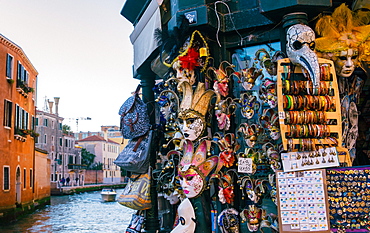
(309,118)
(349,198)
(302,202)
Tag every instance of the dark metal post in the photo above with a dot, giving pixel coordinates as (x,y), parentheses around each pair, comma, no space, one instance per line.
(147,84)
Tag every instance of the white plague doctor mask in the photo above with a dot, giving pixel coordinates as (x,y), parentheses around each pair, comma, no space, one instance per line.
(300,50)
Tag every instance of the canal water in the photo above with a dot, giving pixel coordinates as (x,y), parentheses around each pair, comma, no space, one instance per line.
(84,212)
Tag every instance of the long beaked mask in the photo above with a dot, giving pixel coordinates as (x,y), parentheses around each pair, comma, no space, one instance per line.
(300,50)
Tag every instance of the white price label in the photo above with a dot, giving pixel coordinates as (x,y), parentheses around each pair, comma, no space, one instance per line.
(245,165)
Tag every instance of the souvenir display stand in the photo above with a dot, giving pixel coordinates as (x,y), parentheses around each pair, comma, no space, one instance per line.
(349,198)
(302,203)
(310,118)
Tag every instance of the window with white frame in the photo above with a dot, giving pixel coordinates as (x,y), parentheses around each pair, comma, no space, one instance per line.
(9,66)
(8,105)
(6,178)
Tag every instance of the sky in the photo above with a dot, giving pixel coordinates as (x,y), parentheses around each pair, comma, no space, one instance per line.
(82,52)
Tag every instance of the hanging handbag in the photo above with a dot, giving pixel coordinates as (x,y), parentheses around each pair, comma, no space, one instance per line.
(135,156)
(136,194)
(136,223)
(134,117)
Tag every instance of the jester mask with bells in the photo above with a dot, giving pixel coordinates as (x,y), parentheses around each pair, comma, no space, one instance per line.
(249,105)
(267,93)
(228,146)
(221,77)
(194,168)
(223,111)
(254,216)
(300,50)
(194,54)
(250,133)
(267,62)
(269,120)
(226,190)
(343,38)
(193,109)
(248,77)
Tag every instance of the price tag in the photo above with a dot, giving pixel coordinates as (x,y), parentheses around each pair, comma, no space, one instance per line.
(245,165)
(282,115)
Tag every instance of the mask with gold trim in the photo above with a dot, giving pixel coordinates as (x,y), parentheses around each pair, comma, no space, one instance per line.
(250,133)
(223,111)
(249,105)
(193,109)
(228,146)
(248,77)
(345,40)
(269,120)
(221,77)
(267,92)
(194,168)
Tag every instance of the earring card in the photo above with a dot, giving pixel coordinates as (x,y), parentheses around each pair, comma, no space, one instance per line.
(302,202)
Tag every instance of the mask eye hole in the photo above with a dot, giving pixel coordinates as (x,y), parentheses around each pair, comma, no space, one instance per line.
(190,121)
(312,45)
(182,220)
(297,45)
(354,57)
(342,58)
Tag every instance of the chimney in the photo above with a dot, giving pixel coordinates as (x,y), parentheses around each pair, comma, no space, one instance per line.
(56,100)
(50,106)
(105,132)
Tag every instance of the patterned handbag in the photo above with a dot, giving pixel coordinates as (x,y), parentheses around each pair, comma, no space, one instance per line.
(135,156)
(136,194)
(134,117)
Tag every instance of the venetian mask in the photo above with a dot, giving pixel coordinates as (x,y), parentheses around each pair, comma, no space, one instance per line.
(226,192)
(300,50)
(248,105)
(250,133)
(193,109)
(269,120)
(248,77)
(168,103)
(172,197)
(194,168)
(345,62)
(343,39)
(221,77)
(183,74)
(267,93)
(253,215)
(191,125)
(228,221)
(228,145)
(192,183)
(186,215)
(223,111)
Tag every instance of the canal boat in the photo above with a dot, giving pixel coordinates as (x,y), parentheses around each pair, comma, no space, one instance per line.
(108,194)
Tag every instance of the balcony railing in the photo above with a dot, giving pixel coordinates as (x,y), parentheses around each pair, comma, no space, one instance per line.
(77,166)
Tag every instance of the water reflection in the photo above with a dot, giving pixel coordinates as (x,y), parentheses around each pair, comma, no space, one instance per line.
(84,212)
